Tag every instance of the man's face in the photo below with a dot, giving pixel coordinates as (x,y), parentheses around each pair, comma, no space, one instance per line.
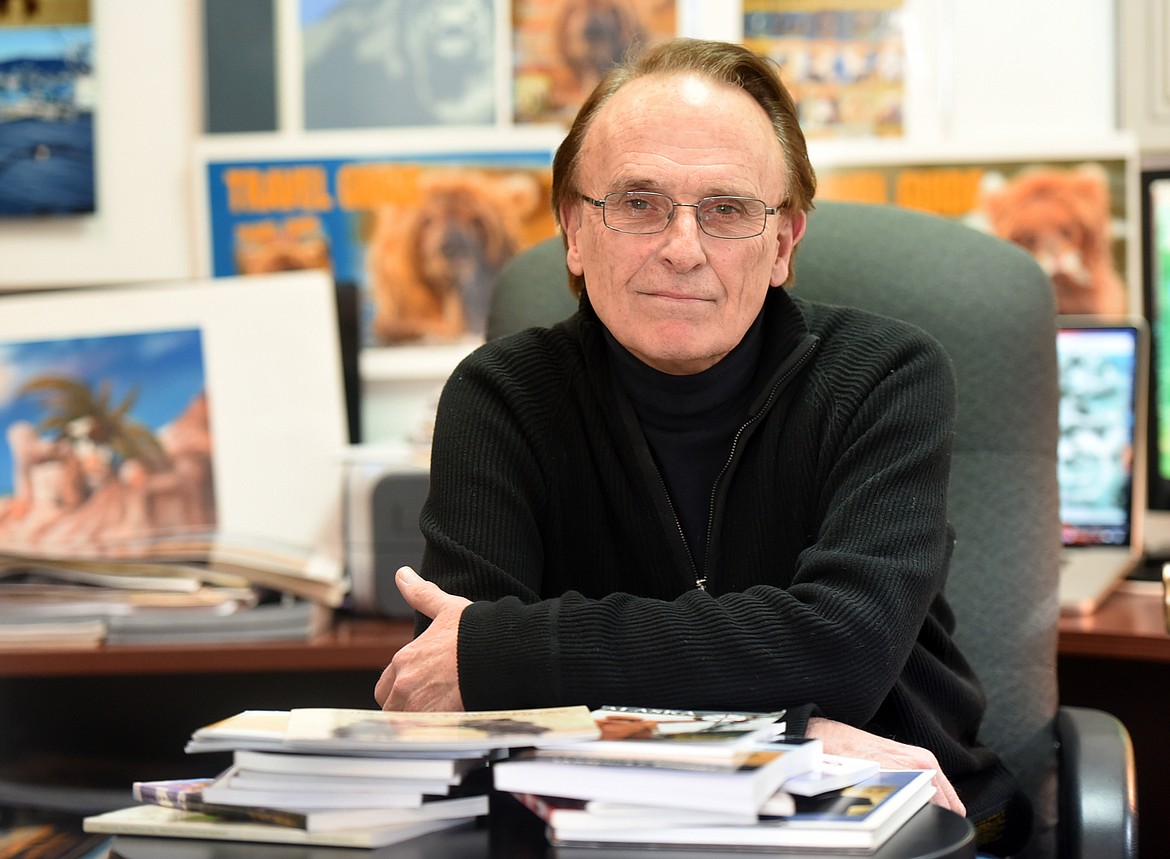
(680,300)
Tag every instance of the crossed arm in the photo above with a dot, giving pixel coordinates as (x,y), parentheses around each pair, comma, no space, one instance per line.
(424,675)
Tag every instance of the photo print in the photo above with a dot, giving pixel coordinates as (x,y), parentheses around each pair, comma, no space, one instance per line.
(107,442)
(47,100)
(396,63)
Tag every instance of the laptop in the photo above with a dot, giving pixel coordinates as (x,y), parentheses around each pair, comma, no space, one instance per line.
(1101,453)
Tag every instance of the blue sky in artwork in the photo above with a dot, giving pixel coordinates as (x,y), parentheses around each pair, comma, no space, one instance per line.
(42,43)
(313,11)
(166,366)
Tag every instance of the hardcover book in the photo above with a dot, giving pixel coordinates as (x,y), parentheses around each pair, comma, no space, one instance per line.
(187,795)
(329,730)
(702,737)
(859,818)
(175,823)
(739,791)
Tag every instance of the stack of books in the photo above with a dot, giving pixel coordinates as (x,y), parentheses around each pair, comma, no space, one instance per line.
(687,779)
(340,777)
(178,588)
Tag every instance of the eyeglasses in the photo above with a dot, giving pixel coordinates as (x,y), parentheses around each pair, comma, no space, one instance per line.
(646,212)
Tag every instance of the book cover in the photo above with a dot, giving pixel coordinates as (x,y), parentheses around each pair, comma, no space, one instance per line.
(739,791)
(187,795)
(373,731)
(856,819)
(705,737)
(249,729)
(175,823)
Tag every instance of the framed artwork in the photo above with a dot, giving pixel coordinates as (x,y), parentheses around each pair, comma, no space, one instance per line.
(1073,214)
(422,238)
(561,49)
(398,63)
(843,61)
(164,410)
(47,105)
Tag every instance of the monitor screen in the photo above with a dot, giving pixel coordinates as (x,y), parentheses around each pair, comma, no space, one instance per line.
(1156,300)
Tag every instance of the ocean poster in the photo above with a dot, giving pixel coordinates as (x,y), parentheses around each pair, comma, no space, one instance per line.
(106,440)
(46,108)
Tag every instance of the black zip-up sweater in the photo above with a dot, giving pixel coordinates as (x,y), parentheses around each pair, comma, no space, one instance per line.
(826,556)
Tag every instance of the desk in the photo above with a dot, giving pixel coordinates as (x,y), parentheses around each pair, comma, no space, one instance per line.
(105,716)
(513,833)
(1118,660)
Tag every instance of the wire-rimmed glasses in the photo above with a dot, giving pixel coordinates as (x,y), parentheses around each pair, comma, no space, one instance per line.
(647,212)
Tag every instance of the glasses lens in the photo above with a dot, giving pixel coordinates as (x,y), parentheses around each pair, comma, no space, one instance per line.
(637,211)
(732,217)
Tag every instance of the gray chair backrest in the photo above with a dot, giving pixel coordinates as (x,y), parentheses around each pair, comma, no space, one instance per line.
(992,308)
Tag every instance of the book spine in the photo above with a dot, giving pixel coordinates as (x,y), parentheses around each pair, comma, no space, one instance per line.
(192,800)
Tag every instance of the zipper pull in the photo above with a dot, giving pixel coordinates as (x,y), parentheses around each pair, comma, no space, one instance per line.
(701,584)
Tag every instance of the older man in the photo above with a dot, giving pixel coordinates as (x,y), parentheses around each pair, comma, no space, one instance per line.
(700,491)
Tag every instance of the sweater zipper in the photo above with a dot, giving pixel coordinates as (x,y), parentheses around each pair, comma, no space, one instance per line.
(777,387)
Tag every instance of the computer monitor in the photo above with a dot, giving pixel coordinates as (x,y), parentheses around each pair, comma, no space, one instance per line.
(1155,243)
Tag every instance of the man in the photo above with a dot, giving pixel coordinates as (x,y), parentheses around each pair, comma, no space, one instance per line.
(700,492)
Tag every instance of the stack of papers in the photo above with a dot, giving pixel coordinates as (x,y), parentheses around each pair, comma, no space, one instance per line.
(705,779)
(340,777)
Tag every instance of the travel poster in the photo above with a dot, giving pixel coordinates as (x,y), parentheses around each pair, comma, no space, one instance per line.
(1070,214)
(46,108)
(422,238)
(843,61)
(395,63)
(107,441)
(562,48)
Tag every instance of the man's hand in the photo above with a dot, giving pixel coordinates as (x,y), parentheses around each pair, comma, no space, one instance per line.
(847,741)
(424,674)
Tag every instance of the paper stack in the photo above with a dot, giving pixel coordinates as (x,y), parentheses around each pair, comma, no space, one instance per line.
(702,779)
(340,777)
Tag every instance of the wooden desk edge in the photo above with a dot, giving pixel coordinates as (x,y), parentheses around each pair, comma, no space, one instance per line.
(352,643)
(1131,624)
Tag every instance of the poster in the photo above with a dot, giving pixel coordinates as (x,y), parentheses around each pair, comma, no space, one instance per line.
(47,96)
(168,408)
(422,238)
(108,439)
(843,61)
(396,63)
(562,48)
(1070,214)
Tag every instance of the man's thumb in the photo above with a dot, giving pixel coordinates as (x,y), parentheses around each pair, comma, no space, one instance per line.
(413,588)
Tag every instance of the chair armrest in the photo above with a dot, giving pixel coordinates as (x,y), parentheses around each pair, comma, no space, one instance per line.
(1098,793)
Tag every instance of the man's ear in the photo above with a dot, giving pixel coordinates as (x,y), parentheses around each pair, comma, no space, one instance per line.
(571,223)
(791,231)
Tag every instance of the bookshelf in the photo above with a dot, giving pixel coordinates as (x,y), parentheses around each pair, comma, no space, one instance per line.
(352,643)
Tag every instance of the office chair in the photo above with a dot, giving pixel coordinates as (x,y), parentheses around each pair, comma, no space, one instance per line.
(992,308)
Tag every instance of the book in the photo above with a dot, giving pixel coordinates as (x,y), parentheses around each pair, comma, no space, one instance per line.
(560,812)
(226,790)
(176,823)
(833,772)
(451,770)
(739,791)
(859,818)
(187,795)
(239,778)
(704,737)
(272,621)
(248,729)
(328,730)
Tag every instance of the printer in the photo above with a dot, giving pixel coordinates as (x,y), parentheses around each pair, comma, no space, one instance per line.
(384,492)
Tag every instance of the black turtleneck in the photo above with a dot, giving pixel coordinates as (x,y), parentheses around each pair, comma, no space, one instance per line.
(689,423)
